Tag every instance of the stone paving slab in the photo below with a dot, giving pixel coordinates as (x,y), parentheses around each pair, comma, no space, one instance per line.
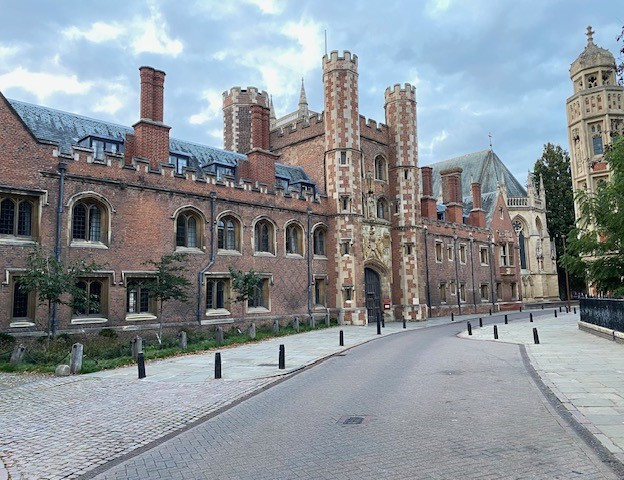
(584,371)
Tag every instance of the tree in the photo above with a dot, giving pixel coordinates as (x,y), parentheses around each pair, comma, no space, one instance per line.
(244,284)
(553,167)
(52,280)
(596,245)
(168,283)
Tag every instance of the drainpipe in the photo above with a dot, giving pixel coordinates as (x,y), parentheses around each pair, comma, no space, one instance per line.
(428,288)
(492,273)
(200,275)
(309,266)
(62,168)
(457,285)
(474,290)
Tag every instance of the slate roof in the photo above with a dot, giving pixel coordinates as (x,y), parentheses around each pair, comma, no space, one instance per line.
(67,129)
(486,168)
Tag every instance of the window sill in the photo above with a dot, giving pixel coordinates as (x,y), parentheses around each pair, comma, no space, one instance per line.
(294,255)
(191,250)
(319,307)
(87,320)
(320,257)
(217,311)
(85,244)
(264,254)
(232,253)
(258,310)
(139,317)
(17,241)
(22,323)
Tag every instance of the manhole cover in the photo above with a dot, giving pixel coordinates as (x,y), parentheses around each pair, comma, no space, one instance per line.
(353,421)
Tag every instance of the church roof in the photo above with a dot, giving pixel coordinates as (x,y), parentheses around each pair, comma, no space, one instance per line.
(484,167)
(67,129)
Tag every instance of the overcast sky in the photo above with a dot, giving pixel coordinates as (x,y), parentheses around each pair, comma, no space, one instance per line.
(479,66)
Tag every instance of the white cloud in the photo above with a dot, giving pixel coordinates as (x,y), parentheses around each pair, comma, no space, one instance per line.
(437,7)
(210,112)
(43,84)
(98,32)
(115,96)
(8,52)
(271,7)
(438,138)
(152,35)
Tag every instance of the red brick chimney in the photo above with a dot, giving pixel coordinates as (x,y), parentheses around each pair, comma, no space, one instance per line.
(151,135)
(427,200)
(477,214)
(452,194)
(261,165)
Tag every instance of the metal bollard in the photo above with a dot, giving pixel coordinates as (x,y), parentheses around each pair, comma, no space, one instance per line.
(542,307)
(282,358)
(141,365)
(555,313)
(521,308)
(469,328)
(495,332)
(217,365)
(378,325)
(480,321)
(559,309)
(535,336)
(574,310)
(506,319)
(404,323)
(341,342)
(531,317)
(490,311)
(452,317)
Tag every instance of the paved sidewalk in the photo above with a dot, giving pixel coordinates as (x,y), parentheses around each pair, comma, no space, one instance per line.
(584,371)
(55,428)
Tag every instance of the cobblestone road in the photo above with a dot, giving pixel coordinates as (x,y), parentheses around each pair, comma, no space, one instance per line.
(432,407)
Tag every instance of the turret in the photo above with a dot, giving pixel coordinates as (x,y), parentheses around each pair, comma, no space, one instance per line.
(237,117)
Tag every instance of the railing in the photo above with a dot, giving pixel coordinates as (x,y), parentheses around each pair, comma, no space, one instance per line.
(517,202)
(605,312)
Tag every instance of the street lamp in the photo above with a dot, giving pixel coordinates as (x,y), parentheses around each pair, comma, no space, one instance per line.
(567,279)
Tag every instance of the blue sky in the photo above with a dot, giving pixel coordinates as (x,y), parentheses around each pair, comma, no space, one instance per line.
(479,66)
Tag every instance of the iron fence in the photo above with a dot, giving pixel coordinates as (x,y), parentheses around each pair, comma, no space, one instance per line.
(605,312)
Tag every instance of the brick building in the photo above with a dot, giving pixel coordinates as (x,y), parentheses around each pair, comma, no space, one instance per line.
(331,208)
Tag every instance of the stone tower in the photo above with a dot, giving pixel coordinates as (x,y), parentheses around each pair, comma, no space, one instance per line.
(400,107)
(343,170)
(595,113)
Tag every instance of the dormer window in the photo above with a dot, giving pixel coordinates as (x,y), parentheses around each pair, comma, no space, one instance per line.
(101,146)
(179,162)
(282,183)
(220,170)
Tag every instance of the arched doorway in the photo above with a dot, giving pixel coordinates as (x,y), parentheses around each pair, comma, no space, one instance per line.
(373,294)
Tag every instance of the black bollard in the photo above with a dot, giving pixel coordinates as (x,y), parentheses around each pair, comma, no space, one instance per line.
(217,365)
(378,325)
(282,358)
(506,319)
(341,342)
(520,308)
(535,336)
(531,317)
(404,323)
(542,307)
(490,311)
(141,364)
(574,310)
(559,309)
(480,322)
(555,313)
(495,332)
(469,329)
(452,317)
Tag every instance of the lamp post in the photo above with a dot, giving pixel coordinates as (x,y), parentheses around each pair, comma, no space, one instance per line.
(567,279)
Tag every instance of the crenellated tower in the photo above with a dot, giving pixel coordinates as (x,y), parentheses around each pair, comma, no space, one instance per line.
(400,108)
(237,117)
(343,170)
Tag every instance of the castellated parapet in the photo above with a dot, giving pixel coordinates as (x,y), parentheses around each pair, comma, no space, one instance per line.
(397,93)
(335,61)
(249,95)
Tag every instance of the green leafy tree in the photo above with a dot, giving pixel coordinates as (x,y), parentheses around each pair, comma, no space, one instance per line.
(244,284)
(56,283)
(168,283)
(595,246)
(553,167)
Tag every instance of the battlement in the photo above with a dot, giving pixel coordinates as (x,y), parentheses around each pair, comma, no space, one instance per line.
(246,96)
(141,173)
(334,60)
(375,131)
(299,124)
(397,93)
